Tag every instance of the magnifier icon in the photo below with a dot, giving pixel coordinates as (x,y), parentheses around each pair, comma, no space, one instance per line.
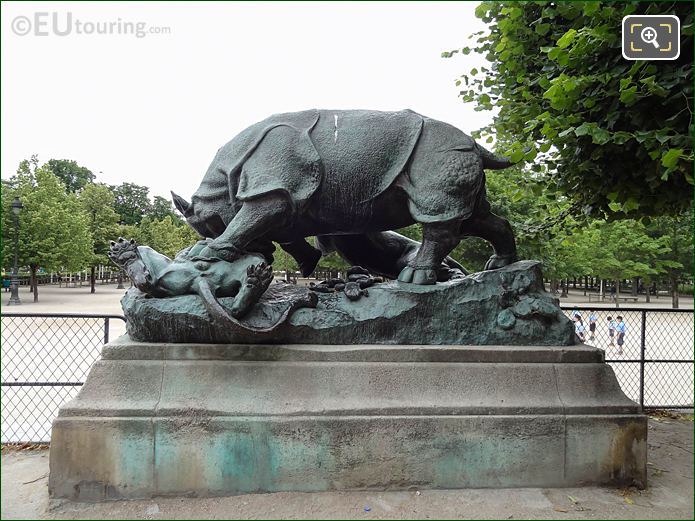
(648,35)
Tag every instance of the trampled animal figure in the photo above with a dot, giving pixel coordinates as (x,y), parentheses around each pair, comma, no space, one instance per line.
(348,177)
(246,280)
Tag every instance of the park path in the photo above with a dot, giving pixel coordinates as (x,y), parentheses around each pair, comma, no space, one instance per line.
(53,299)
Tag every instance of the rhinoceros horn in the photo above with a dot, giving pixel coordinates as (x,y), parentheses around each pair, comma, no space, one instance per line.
(182,205)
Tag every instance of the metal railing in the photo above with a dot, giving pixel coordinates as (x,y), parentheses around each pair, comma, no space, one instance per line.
(45,359)
(655,363)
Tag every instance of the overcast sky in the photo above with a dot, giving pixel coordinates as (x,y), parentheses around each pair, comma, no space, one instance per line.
(154,110)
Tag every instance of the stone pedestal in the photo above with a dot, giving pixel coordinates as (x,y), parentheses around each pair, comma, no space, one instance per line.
(205,419)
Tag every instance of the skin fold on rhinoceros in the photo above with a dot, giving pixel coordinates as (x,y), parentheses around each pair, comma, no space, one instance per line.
(349,177)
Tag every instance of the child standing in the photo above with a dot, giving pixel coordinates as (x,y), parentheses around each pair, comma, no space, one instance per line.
(579,327)
(620,329)
(592,324)
(611,331)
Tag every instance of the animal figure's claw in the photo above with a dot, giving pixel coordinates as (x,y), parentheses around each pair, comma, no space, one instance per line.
(259,276)
(123,252)
(445,274)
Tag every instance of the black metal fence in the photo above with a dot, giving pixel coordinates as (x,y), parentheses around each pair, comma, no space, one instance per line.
(46,357)
(654,364)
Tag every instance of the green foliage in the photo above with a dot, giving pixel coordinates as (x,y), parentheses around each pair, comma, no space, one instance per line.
(97,203)
(677,232)
(161,208)
(607,133)
(332,262)
(72,175)
(163,235)
(53,228)
(132,202)
(283,261)
(622,250)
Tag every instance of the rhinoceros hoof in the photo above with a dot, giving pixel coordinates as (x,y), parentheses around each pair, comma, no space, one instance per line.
(500,261)
(418,275)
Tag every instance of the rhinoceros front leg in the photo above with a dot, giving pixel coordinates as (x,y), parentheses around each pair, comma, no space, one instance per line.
(438,239)
(253,220)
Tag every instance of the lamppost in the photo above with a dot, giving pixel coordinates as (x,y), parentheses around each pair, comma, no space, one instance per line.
(14,283)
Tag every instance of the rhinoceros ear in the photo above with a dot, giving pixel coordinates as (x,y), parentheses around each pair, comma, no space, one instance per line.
(182,205)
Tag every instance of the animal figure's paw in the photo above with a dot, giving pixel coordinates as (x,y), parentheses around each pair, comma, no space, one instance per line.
(123,251)
(500,261)
(444,274)
(353,291)
(259,277)
(418,275)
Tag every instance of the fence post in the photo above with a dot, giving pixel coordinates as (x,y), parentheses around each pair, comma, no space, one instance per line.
(642,351)
(106,330)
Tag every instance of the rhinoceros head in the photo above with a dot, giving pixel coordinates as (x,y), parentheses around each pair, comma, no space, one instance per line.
(197,222)
(182,205)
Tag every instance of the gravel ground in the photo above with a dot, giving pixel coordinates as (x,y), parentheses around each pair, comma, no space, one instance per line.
(669,495)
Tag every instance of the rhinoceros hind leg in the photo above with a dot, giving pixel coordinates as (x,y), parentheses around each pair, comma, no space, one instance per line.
(497,231)
(438,241)
(305,254)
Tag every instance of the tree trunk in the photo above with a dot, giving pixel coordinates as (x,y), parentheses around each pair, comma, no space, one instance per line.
(586,282)
(617,293)
(635,286)
(564,289)
(648,296)
(33,283)
(601,288)
(92,280)
(674,292)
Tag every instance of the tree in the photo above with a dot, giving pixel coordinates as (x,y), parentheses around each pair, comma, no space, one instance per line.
(54,232)
(161,208)
(677,261)
(132,202)
(623,249)
(612,135)
(165,235)
(72,175)
(97,203)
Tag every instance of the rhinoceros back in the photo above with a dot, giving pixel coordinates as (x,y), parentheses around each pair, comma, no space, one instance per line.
(242,169)
(363,153)
(352,156)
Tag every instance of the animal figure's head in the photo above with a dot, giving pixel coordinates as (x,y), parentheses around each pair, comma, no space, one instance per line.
(126,255)
(188,211)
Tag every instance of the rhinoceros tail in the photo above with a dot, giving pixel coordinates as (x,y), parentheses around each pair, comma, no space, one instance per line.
(493,161)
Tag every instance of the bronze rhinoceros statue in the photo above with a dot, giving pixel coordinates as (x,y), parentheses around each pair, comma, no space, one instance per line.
(349,177)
